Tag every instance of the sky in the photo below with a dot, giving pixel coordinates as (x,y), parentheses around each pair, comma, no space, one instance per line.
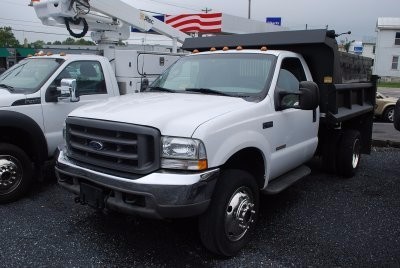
(358,16)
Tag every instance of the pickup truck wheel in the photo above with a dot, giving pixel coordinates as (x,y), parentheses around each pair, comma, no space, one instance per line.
(226,226)
(388,114)
(15,172)
(349,154)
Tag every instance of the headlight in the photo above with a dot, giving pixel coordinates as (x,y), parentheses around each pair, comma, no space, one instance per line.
(183,153)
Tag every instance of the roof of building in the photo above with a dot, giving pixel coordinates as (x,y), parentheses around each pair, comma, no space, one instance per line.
(388,23)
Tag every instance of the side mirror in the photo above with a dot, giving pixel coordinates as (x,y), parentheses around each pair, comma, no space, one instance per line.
(144,84)
(306,99)
(309,95)
(68,90)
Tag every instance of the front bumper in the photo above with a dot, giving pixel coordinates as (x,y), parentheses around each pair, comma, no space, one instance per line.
(161,194)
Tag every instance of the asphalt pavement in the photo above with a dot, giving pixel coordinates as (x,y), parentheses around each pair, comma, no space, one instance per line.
(323,220)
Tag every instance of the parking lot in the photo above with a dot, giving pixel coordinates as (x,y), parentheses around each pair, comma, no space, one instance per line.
(321,221)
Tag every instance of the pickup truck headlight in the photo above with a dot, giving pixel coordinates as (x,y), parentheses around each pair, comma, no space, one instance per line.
(183,153)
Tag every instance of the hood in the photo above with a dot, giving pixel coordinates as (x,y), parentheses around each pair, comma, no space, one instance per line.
(7,99)
(176,114)
(389,99)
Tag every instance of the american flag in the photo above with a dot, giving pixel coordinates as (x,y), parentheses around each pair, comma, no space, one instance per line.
(189,23)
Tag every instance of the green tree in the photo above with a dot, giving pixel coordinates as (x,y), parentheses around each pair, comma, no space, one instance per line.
(7,38)
(346,44)
(69,41)
(84,42)
(57,43)
(38,44)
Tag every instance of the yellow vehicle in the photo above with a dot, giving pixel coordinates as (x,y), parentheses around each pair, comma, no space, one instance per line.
(384,107)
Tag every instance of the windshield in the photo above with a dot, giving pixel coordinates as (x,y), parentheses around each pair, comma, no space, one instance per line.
(29,75)
(241,75)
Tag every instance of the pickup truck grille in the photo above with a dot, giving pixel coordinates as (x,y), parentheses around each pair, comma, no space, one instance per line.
(113,147)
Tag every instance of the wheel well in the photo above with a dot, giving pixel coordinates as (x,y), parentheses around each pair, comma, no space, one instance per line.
(250,160)
(387,107)
(20,138)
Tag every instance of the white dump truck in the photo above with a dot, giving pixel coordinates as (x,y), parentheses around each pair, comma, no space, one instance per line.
(239,117)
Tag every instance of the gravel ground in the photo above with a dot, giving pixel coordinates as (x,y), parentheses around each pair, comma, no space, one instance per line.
(323,220)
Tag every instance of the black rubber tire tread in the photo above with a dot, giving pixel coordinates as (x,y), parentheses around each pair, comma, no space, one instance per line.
(396,121)
(18,153)
(211,223)
(385,115)
(345,153)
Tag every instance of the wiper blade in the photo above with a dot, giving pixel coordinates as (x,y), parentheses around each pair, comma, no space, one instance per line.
(161,89)
(11,88)
(208,91)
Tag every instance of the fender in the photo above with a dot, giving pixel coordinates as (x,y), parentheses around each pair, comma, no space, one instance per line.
(220,152)
(27,124)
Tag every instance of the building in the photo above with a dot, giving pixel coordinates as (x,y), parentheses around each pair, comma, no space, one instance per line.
(387,63)
(369,47)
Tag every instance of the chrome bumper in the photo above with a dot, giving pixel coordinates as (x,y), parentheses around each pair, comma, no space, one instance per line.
(161,194)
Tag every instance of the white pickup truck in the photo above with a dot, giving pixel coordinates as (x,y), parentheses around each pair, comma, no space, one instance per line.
(218,128)
(33,110)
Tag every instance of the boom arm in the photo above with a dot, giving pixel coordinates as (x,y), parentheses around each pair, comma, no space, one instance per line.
(108,20)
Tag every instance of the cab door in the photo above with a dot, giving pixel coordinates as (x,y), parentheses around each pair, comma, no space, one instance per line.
(91,86)
(294,135)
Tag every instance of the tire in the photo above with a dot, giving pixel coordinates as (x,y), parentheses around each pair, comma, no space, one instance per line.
(226,227)
(396,116)
(349,153)
(15,172)
(388,114)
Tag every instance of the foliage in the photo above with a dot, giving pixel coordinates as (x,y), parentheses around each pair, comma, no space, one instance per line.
(346,44)
(389,84)
(38,44)
(7,38)
(72,41)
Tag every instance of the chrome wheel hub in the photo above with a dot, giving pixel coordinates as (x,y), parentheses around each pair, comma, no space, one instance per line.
(390,115)
(356,154)
(239,214)
(10,173)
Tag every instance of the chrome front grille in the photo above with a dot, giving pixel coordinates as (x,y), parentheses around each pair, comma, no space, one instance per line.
(112,146)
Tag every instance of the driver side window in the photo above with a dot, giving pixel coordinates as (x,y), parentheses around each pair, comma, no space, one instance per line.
(290,75)
(89,77)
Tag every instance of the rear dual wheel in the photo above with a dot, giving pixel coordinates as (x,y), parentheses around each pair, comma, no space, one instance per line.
(349,153)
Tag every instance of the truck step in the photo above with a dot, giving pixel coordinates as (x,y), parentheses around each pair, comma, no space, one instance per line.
(284,181)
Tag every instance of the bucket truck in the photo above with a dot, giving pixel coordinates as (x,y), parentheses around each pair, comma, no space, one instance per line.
(35,96)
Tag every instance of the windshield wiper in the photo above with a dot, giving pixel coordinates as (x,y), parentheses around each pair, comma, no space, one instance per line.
(161,89)
(10,88)
(208,91)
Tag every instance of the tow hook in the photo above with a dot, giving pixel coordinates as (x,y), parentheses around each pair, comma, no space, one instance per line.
(79,200)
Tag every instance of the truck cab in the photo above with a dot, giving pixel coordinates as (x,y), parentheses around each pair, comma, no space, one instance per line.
(32,111)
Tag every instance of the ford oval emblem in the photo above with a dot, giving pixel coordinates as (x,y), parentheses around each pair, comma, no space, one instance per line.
(96,145)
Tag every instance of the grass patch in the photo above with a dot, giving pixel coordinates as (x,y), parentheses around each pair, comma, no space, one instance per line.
(389,84)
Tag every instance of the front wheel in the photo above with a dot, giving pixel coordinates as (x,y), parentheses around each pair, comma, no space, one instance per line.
(388,114)
(226,226)
(15,172)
